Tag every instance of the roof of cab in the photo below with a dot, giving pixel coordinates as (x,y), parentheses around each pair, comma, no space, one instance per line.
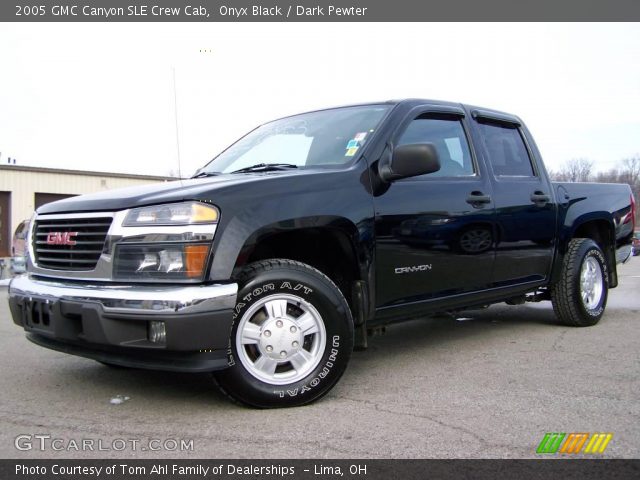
(417,102)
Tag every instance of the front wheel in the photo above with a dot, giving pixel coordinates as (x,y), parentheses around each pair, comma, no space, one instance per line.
(580,295)
(291,339)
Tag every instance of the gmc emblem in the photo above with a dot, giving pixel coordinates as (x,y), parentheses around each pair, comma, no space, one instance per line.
(61,238)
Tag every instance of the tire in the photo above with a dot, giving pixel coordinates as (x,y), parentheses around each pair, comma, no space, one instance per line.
(580,295)
(291,338)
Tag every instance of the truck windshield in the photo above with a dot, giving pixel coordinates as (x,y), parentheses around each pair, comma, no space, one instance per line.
(327,138)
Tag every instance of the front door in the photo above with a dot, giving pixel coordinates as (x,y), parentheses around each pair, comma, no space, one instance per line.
(435,233)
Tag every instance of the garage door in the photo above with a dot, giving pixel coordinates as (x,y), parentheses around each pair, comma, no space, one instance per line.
(5,224)
(42,198)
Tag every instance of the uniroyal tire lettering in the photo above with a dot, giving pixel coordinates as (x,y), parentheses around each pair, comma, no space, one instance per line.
(230,360)
(335,341)
(326,369)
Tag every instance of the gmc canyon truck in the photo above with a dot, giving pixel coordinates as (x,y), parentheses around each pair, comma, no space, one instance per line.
(275,260)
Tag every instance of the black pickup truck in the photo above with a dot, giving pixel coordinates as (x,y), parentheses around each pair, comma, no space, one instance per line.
(276,259)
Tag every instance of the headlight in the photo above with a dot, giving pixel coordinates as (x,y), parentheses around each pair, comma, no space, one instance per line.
(174,247)
(187,213)
(168,262)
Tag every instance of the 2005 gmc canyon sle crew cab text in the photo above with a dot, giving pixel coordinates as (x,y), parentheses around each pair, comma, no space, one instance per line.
(279,255)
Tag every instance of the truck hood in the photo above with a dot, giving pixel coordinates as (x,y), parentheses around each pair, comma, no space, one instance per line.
(168,192)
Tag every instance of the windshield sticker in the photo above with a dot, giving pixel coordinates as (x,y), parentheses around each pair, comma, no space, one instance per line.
(352,144)
(360,136)
(351,152)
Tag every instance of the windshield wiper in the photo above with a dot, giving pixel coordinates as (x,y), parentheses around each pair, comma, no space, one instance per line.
(263,167)
(205,174)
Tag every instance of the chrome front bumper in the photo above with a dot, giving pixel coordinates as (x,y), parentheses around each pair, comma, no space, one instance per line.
(138,299)
(110,323)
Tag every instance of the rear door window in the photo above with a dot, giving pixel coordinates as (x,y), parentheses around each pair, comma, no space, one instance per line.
(508,154)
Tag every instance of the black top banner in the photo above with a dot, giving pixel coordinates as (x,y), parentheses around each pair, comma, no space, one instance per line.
(317,11)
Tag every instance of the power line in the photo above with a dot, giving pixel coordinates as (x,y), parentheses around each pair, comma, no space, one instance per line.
(175,113)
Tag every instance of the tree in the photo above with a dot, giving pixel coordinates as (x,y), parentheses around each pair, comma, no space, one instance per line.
(574,170)
(579,170)
(630,172)
(609,176)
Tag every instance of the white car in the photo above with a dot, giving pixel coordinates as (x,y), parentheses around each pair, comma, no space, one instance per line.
(18,249)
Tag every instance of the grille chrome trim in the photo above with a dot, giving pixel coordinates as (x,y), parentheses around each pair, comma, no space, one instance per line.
(70,256)
(103,268)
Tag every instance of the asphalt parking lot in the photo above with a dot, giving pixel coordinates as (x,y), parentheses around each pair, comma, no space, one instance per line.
(489,385)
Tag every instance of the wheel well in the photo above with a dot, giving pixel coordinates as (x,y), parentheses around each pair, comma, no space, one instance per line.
(328,250)
(600,231)
(597,230)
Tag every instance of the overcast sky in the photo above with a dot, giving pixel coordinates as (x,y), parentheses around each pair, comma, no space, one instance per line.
(101,96)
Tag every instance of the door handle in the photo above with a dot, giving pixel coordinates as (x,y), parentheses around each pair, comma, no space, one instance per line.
(540,198)
(478,199)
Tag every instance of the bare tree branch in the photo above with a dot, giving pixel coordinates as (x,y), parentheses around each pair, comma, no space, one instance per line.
(574,170)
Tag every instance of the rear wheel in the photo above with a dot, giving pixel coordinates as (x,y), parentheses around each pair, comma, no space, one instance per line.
(580,295)
(291,339)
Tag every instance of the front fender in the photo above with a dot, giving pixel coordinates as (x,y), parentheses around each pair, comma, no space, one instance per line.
(239,237)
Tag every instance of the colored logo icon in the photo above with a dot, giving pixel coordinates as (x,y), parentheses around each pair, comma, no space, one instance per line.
(574,443)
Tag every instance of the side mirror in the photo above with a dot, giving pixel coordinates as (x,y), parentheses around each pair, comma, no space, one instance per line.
(410,161)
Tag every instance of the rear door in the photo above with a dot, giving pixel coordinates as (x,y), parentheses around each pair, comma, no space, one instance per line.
(524,201)
(434,233)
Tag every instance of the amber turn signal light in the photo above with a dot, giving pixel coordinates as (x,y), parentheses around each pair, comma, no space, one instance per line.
(195,258)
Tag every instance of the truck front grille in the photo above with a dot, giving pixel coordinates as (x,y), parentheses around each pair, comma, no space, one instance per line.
(69,244)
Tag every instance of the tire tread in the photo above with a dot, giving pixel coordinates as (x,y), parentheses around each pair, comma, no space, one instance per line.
(564,292)
(249,272)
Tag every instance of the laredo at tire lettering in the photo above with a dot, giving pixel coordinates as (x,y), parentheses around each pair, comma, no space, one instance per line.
(291,339)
